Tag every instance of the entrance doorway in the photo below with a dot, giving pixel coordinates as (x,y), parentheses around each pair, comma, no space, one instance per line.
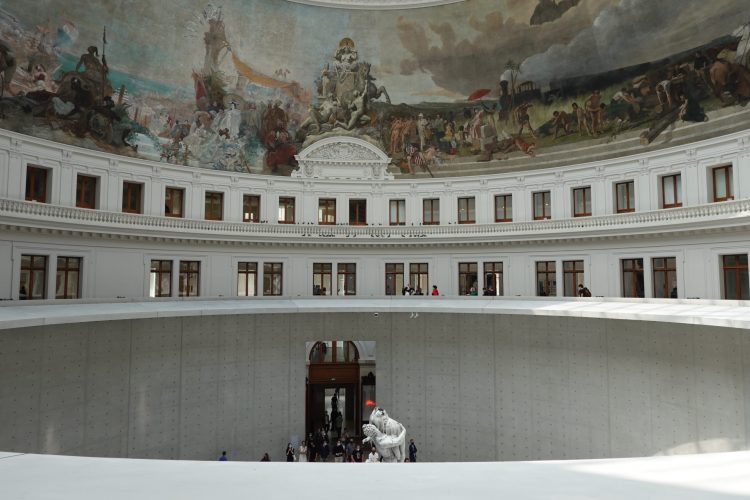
(340,387)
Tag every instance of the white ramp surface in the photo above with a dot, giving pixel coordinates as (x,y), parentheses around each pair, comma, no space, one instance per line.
(684,477)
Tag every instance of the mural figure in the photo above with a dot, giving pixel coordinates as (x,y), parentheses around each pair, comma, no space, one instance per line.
(456,85)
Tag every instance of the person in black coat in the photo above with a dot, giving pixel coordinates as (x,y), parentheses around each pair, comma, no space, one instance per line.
(412,451)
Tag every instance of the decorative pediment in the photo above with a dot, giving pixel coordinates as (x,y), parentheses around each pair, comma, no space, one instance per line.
(342,157)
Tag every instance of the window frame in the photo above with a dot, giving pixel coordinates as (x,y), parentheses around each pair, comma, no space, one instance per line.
(33,172)
(288,204)
(247,272)
(420,271)
(676,190)
(633,271)
(127,196)
(585,191)
(546,207)
(326,211)
(193,268)
(470,210)
(357,212)
(507,208)
(270,270)
(169,202)
(349,269)
(433,209)
(213,205)
(496,271)
(737,270)
(394,273)
(629,193)
(158,292)
(247,212)
(465,270)
(400,205)
(579,276)
(32,268)
(68,271)
(547,283)
(727,183)
(324,270)
(85,185)
(665,270)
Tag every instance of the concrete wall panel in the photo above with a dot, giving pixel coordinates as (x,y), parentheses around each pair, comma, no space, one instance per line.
(467,387)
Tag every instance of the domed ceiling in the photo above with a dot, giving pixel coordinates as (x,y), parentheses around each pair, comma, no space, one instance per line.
(473,85)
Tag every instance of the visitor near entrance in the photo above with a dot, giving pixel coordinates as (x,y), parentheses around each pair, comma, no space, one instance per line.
(412,451)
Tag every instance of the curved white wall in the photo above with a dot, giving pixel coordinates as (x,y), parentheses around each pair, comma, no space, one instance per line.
(467,386)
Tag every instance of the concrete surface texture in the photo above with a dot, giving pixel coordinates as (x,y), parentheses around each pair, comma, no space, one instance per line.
(468,387)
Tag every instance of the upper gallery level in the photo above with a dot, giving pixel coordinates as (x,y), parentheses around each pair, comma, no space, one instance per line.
(44,184)
(451,89)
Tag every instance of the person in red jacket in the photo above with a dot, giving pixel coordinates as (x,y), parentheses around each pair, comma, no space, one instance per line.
(435,290)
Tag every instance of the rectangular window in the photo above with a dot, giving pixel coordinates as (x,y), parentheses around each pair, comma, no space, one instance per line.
(734,269)
(190,274)
(250,208)
(358,212)
(503,208)
(286,210)
(214,206)
(665,277)
(542,206)
(467,210)
(632,278)
(132,197)
(671,191)
(247,279)
(582,202)
(322,278)
(394,279)
(36,184)
(572,277)
(431,212)
(161,278)
(68,283)
(272,278)
(174,202)
(397,212)
(546,279)
(327,211)
(493,278)
(418,276)
(625,197)
(33,284)
(467,278)
(86,191)
(722,181)
(347,279)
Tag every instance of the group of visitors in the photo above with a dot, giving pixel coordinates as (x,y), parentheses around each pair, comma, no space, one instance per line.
(410,290)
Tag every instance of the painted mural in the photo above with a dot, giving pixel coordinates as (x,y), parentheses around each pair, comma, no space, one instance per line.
(244,85)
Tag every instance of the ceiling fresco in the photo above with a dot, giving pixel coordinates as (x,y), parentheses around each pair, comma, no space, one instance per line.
(244,85)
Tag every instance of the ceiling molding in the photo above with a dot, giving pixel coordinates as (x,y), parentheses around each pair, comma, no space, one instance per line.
(376,4)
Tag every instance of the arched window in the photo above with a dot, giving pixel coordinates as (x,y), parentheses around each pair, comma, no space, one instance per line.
(334,351)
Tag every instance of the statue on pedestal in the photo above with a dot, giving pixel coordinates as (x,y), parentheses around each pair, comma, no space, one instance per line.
(388,436)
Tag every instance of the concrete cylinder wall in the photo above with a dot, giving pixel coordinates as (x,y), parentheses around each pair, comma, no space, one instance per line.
(468,387)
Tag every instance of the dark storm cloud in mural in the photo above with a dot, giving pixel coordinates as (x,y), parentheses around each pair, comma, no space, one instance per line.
(594,36)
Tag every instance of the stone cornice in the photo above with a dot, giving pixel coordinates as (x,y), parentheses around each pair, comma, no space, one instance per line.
(376,4)
(30,216)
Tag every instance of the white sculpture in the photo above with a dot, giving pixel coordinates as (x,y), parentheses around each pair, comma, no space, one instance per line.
(388,436)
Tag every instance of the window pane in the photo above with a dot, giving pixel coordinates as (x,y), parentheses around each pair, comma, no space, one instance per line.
(669,185)
(720,180)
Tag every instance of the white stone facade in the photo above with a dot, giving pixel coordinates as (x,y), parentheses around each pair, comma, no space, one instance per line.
(117,248)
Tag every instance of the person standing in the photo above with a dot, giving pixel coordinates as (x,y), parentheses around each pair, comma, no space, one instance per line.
(325,450)
(338,452)
(223,457)
(302,452)
(289,453)
(412,451)
(357,454)
(435,290)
